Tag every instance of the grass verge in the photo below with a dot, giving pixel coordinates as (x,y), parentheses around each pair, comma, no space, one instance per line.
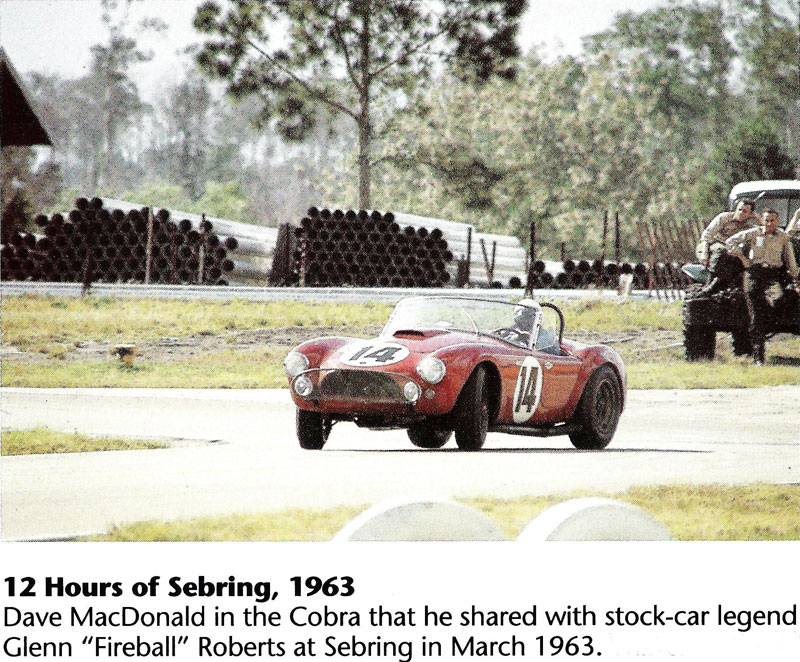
(259,368)
(53,326)
(666,368)
(43,440)
(618,315)
(690,512)
(43,323)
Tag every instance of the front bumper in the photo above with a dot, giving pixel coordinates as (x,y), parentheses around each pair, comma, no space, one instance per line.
(352,390)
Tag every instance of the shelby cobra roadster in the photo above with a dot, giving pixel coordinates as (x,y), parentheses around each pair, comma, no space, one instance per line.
(470,366)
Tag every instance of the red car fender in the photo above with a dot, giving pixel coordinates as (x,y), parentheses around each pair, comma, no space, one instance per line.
(592,357)
(461,360)
(319,348)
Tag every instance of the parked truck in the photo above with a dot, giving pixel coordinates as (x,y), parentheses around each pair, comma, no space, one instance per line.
(726,311)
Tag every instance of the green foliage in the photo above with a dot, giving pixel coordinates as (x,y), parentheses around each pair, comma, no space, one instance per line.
(220,199)
(63,203)
(767,36)
(687,58)
(643,123)
(33,187)
(159,194)
(751,151)
(109,92)
(568,141)
(223,200)
(381,48)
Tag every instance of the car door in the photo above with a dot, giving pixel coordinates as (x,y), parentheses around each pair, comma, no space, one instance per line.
(546,376)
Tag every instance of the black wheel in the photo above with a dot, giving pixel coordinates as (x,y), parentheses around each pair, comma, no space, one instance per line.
(424,436)
(699,342)
(312,429)
(741,342)
(598,410)
(471,413)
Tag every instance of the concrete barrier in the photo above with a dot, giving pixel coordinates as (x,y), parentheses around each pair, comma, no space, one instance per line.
(419,520)
(594,518)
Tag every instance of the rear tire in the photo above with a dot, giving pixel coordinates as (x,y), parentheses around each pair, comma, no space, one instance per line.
(424,436)
(312,430)
(471,413)
(598,410)
(699,342)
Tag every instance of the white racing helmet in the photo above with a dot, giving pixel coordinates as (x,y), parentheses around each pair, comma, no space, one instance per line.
(526,312)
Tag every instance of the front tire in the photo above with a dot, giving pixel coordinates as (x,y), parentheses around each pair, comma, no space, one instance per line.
(312,430)
(424,436)
(472,412)
(598,410)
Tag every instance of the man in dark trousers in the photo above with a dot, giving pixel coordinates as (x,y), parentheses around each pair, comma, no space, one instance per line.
(765,252)
(711,251)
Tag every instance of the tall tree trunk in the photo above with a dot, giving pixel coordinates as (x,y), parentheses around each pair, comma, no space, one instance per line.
(364,140)
(364,120)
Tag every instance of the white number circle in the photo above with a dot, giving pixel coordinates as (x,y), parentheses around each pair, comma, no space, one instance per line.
(528,391)
(372,353)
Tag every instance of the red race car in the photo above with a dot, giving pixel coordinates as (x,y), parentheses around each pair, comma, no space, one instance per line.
(463,365)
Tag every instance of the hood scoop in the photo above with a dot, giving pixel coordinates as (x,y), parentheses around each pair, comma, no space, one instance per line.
(417,333)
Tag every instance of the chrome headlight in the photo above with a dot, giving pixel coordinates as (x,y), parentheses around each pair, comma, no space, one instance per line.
(431,369)
(295,363)
(411,392)
(303,386)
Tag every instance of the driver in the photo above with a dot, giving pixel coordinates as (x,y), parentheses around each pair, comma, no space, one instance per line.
(525,315)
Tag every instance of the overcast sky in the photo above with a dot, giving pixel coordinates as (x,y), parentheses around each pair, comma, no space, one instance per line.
(55,36)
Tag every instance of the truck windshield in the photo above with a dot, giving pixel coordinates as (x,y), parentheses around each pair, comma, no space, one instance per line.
(784,201)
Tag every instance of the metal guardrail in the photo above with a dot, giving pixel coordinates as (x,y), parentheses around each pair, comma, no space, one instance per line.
(308,294)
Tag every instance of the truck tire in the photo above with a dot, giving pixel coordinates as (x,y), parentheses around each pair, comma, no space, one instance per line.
(699,342)
(741,342)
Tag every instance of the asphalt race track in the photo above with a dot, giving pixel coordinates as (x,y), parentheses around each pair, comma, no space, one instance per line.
(236,452)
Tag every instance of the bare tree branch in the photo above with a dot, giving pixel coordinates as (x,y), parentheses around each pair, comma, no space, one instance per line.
(316,93)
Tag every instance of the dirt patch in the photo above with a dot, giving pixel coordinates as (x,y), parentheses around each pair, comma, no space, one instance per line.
(174,349)
(632,342)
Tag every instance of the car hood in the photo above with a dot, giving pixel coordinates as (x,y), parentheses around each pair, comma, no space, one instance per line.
(397,351)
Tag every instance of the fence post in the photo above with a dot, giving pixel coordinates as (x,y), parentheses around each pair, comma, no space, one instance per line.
(469,255)
(644,250)
(662,249)
(603,240)
(201,252)
(489,265)
(149,250)
(531,259)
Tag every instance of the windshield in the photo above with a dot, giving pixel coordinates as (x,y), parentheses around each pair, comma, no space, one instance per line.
(514,323)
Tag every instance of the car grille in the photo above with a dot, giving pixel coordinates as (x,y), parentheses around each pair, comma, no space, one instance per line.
(361,385)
